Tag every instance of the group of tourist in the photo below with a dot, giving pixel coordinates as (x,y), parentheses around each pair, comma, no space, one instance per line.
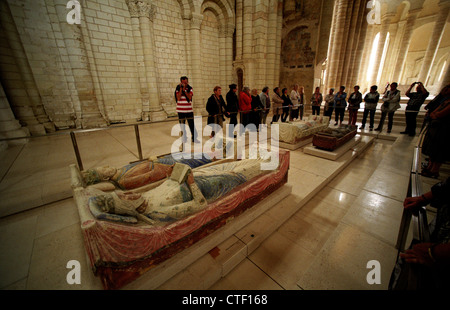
(391,103)
(255,107)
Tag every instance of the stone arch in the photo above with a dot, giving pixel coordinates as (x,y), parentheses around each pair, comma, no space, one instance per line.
(222,7)
(215,9)
(187,7)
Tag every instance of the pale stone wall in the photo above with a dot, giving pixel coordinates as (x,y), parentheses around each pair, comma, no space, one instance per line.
(113,55)
(171,49)
(123,62)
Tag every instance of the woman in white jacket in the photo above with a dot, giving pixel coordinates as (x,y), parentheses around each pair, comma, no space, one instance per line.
(391,104)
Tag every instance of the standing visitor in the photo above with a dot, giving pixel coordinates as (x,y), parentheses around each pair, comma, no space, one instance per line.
(329,103)
(265,100)
(183,96)
(301,101)
(232,106)
(316,101)
(391,103)
(257,109)
(370,106)
(245,105)
(295,99)
(216,108)
(354,103)
(277,104)
(416,99)
(436,141)
(286,104)
(339,105)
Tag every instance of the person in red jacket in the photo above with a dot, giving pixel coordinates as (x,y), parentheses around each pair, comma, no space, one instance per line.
(245,105)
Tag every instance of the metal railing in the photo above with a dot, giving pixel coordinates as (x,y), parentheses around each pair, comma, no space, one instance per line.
(419,220)
(73,133)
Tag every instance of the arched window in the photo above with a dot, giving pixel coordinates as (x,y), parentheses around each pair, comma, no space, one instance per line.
(383,57)
(373,56)
(442,71)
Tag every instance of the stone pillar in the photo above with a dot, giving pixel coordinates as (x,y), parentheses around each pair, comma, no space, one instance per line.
(228,55)
(278,43)
(404,45)
(222,55)
(271,43)
(362,75)
(140,62)
(239,31)
(435,40)
(385,23)
(247,43)
(88,113)
(31,110)
(337,35)
(350,61)
(196,80)
(359,47)
(9,126)
(144,12)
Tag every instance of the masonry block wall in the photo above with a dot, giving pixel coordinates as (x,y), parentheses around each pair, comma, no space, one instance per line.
(121,64)
(124,60)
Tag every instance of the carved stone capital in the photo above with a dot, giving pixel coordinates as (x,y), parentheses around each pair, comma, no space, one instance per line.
(229,30)
(140,8)
(196,20)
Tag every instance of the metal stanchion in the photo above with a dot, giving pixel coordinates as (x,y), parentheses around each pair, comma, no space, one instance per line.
(77,152)
(138,141)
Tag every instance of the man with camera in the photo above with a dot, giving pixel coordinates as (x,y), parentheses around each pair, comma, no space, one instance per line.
(183,96)
(416,99)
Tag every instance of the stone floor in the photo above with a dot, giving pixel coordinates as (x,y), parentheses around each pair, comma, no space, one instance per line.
(326,244)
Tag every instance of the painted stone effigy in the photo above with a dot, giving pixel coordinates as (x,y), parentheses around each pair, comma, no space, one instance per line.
(127,232)
(297,131)
(332,138)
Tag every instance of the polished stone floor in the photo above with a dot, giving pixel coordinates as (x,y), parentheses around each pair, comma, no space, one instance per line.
(354,217)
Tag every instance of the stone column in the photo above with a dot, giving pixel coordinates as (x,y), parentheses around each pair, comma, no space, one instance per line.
(351,43)
(359,47)
(145,11)
(31,110)
(247,43)
(9,126)
(278,43)
(435,40)
(88,113)
(239,32)
(222,55)
(196,80)
(271,43)
(404,45)
(337,35)
(385,23)
(140,62)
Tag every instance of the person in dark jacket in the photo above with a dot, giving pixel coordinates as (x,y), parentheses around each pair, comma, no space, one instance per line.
(216,108)
(354,102)
(232,106)
(416,99)
(257,108)
(429,259)
(286,104)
